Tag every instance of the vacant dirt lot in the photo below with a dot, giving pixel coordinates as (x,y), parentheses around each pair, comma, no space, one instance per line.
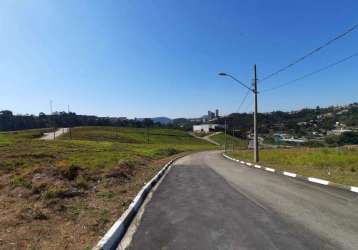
(66,194)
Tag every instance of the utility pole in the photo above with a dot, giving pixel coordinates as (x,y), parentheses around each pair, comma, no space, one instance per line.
(53,122)
(253,89)
(225,135)
(69,119)
(147,134)
(233,140)
(256,142)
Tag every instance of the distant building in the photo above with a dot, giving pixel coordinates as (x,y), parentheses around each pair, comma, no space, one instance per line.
(294,140)
(281,137)
(338,131)
(205,128)
(211,115)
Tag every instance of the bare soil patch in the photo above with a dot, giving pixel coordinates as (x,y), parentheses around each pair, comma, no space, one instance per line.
(66,207)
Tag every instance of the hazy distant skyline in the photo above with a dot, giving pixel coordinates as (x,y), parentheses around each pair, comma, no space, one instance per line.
(161,58)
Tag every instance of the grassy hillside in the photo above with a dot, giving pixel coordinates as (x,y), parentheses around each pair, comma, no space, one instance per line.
(230,141)
(133,135)
(7,138)
(335,164)
(66,193)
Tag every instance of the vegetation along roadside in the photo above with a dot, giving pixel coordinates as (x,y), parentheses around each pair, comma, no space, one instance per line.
(66,193)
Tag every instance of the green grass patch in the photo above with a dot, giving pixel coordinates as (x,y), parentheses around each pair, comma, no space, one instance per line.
(339,165)
(20,181)
(13,136)
(132,135)
(92,148)
(230,141)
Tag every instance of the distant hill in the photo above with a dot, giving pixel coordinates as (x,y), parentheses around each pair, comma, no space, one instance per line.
(162,120)
(302,122)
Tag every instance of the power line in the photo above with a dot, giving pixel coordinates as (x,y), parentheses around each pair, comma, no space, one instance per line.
(312,73)
(311,52)
(243,101)
(246,109)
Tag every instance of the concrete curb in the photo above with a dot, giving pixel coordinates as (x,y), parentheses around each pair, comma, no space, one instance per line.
(294,175)
(115,234)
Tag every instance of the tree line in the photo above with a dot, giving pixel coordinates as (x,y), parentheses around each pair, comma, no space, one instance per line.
(300,123)
(10,122)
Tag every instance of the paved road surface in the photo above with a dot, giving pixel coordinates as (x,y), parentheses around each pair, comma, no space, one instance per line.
(52,136)
(208,202)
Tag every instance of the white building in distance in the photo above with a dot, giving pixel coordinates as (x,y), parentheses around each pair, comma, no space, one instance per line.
(206,128)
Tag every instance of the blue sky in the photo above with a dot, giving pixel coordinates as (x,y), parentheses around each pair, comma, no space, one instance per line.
(161,57)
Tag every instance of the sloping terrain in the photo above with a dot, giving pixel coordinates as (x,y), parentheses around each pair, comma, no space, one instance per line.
(65,194)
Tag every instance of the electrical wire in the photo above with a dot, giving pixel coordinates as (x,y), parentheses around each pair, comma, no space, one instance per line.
(310,53)
(311,73)
(243,101)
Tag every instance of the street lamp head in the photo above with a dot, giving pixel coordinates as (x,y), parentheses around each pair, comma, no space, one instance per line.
(222,74)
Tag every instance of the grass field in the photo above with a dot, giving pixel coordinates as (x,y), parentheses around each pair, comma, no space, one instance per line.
(230,141)
(339,165)
(65,194)
(8,138)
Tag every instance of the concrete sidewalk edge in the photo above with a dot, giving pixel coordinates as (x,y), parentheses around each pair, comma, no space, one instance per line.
(294,175)
(115,234)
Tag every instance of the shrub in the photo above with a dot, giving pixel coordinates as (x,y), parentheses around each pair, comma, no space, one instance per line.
(70,172)
(332,140)
(313,144)
(82,182)
(348,138)
(52,193)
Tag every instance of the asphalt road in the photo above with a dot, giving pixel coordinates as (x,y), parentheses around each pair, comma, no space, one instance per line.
(208,202)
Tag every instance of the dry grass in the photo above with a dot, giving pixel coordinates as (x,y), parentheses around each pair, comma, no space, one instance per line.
(231,141)
(65,194)
(339,165)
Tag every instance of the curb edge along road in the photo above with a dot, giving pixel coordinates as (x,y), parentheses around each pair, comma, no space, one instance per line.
(115,234)
(294,175)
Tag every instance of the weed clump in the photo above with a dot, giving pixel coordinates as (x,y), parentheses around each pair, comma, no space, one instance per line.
(20,181)
(54,192)
(29,214)
(70,172)
(82,183)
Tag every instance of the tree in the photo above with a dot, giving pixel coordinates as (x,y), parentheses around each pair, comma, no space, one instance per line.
(348,138)
(148,123)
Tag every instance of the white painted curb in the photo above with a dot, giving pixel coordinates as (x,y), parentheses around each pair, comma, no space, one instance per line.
(294,175)
(290,174)
(319,181)
(270,169)
(115,234)
(354,189)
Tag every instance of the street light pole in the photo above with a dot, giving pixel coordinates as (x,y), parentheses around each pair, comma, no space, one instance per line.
(253,90)
(256,142)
